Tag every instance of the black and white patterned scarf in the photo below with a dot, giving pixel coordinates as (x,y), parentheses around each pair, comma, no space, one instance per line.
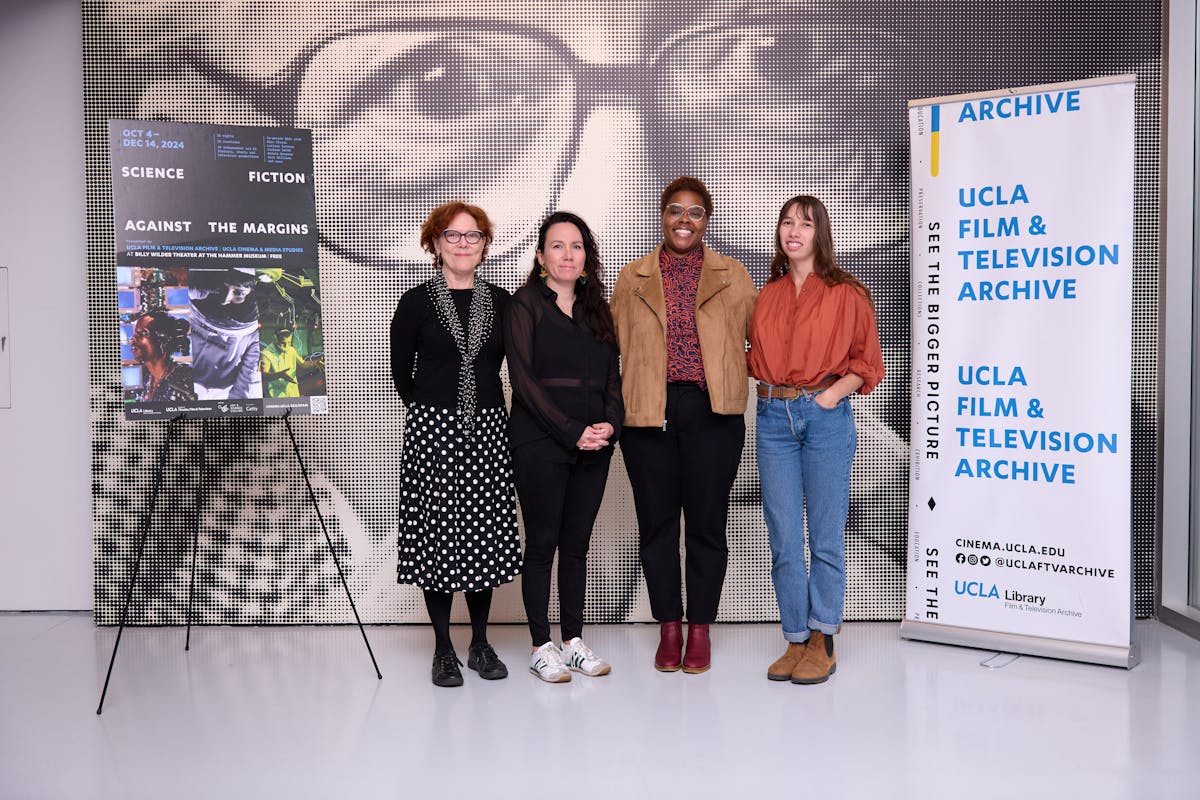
(470,342)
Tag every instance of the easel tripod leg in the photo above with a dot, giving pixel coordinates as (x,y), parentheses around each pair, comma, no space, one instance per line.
(137,564)
(196,527)
(324,529)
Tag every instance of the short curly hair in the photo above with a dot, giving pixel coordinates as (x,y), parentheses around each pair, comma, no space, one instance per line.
(439,219)
(686,183)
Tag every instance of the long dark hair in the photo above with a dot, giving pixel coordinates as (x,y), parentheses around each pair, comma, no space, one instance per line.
(595,308)
(825,263)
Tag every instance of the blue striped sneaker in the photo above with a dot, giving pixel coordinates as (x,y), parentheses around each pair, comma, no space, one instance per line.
(580,658)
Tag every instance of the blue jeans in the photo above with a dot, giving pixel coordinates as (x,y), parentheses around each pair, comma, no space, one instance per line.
(804,458)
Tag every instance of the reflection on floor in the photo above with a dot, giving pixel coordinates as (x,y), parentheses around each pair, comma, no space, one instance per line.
(296,712)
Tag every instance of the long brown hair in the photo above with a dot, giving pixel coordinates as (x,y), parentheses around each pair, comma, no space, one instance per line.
(825,263)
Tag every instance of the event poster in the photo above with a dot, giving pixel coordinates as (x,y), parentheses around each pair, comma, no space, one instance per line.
(218,288)
(1022,245)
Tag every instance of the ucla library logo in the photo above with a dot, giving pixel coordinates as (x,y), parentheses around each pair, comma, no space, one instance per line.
(976,589)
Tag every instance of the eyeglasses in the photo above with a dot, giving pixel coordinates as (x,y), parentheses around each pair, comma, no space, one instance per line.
(453,236)
(408,114)
(694,213)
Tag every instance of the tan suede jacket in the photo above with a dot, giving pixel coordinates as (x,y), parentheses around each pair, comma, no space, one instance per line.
(724,303)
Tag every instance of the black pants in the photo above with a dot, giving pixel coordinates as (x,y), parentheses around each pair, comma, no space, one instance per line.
(689,467)
(559,503)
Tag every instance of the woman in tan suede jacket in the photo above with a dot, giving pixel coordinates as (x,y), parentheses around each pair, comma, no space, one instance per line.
(682,315)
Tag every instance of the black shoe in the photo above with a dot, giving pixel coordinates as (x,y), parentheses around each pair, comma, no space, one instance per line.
(483,659)
(445,669)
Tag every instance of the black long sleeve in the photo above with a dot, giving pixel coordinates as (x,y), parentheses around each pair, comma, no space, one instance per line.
(614,403)
(425,360)
(563,378)
(524,320)
(405,324)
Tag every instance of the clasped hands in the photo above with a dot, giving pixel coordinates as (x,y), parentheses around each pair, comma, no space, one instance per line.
(595,437)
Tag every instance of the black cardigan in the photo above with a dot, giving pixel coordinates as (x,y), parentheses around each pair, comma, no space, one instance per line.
(425,360)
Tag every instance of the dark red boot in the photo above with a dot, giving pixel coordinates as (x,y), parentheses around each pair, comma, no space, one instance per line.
(698,657)
(670,644)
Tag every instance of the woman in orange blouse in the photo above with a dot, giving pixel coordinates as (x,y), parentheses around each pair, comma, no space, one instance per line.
(813,342)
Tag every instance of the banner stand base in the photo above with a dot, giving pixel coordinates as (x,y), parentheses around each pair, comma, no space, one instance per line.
(1106,655)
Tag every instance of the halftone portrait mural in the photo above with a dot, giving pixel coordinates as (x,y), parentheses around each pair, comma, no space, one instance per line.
(524,107)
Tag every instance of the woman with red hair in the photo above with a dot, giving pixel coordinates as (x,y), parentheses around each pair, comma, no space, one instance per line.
(458,521)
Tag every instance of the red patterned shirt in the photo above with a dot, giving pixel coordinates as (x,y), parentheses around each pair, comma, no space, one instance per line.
(681,278)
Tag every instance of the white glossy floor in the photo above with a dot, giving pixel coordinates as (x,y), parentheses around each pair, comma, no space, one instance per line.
(298,713)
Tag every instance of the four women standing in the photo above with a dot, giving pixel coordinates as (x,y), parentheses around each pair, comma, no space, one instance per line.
(680,317)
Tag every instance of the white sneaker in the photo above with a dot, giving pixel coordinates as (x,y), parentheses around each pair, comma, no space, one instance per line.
(546,662)
(579,657)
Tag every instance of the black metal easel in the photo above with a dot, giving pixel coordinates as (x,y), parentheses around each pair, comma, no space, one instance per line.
(145,531)
(187,642)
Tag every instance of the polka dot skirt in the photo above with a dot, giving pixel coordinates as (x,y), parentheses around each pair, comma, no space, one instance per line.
(458,516)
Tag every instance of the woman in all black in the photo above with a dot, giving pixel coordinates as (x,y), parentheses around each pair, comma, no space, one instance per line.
(458,522)
(567,413)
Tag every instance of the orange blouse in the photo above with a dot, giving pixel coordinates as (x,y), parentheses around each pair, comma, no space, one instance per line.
(799,339)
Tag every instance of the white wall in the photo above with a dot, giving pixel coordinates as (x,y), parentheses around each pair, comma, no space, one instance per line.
(1181,409)
(45,525)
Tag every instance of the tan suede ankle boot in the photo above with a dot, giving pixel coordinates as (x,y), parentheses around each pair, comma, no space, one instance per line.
(818,662)
(781,670)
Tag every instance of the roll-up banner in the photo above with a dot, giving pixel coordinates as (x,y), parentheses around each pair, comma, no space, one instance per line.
(1019,493)
(217,281)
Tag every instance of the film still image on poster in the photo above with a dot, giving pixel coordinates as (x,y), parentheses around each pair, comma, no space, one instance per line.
(225,335)
(156,360)
(291,335)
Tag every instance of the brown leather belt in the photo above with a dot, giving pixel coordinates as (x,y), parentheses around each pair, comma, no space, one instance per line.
(766,390)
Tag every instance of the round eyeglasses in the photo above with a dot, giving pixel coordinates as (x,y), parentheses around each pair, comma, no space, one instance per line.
(407,113)
(694,213)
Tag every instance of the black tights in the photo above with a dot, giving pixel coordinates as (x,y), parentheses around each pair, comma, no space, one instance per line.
(479,604)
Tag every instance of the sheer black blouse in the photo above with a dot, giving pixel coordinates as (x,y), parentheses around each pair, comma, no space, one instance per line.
(563,378)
